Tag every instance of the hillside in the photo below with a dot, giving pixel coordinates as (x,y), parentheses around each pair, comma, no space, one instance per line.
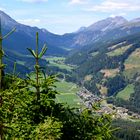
(110,68)
(24,37)
(108,42)
(108,58)
(111,42)
(104,57)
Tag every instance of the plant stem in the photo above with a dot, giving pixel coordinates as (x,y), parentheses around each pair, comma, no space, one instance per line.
(0,56)
(37,69)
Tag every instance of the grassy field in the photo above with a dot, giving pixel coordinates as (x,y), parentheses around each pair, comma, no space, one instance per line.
(110,72)
(126,92)
(59,62)
(115,46)
(55,58)
(94,53)
(67,94)
(66,87)
(132,64)
(88,77)
(72,100)
(119,51)
(103,90)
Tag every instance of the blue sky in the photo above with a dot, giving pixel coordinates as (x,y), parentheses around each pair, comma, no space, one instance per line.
(63,16)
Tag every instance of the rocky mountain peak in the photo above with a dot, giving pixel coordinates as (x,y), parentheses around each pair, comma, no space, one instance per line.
(135,20)
(108,23)
(7,20)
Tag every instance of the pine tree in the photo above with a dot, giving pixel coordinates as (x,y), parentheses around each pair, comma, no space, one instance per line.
(2,76)
(38,56)
(2,53)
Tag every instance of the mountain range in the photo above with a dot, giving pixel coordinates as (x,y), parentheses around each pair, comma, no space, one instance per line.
(105,56)
(109,28)
(70,44)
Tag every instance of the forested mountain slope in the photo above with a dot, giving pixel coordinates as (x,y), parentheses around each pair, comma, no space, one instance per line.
(24,37)
(101,52)
(106,29)
(110,68)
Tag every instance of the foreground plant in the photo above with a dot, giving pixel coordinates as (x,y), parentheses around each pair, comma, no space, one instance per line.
(37,57)
(2,53)
(29,111)
(2,125)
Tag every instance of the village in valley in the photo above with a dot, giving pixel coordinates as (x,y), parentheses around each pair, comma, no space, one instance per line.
(89,99)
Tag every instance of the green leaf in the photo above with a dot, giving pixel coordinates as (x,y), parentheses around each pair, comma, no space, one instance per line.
(1,53)
(37,67)
(2,66)
(32,52)
(43,51)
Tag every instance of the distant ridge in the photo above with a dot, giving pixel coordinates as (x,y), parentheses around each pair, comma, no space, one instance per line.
(112,27)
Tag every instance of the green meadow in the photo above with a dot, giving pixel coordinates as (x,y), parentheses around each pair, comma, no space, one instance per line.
(67,94)
(59,62)
(118,51)
(126,92)
(132,64)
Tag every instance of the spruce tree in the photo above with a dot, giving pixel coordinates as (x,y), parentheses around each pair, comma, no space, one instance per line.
(2,76)
(2,53)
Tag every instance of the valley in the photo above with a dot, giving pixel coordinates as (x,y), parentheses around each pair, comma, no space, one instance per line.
(99,64)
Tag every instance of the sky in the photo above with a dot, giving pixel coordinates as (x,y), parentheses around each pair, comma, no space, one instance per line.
(64,16)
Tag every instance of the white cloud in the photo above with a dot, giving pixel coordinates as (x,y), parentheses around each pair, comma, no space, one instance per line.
(77,2)
(2,9)
(119,14)
(32,22)
(116,5)
(34,1)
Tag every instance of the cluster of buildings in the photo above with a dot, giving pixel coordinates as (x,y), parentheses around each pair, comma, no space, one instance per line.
(89,99)
(119,112)
(116,112)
